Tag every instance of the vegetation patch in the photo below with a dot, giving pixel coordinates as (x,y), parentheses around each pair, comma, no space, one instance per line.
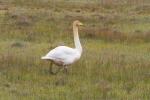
(115,40)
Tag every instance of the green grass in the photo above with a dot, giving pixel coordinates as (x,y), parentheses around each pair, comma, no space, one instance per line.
(115,60)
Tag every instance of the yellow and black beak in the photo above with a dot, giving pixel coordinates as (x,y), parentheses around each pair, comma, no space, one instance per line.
(81,24)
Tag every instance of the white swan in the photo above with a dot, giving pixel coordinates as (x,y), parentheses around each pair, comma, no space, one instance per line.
(63,55)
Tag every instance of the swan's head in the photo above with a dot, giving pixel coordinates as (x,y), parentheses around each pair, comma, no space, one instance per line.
(77,23)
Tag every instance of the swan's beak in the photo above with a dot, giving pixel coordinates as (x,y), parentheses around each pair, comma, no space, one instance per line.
(81,24)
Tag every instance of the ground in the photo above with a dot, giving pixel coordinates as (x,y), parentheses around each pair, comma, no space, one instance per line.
(115,63)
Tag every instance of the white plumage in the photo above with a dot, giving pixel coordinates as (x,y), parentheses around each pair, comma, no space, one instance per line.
(63,55)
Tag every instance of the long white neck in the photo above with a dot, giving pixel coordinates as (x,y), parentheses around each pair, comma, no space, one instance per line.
(76,39)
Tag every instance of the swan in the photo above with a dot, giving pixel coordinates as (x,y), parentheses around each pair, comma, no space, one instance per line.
(63,55)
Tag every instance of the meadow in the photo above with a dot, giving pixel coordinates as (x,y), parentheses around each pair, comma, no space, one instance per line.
(115,63)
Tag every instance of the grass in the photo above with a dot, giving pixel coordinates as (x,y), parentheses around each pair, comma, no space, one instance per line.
(115,60)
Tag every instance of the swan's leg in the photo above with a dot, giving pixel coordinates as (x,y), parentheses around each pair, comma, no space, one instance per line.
(50,69)
(66,69)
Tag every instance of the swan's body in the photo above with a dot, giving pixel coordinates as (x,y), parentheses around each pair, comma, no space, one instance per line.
(63,55)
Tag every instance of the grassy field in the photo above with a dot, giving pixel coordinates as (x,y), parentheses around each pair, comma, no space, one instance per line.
(115,63)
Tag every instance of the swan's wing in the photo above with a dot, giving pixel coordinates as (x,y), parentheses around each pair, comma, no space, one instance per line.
(61,53)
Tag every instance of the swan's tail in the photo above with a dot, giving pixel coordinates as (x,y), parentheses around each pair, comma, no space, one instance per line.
(46,58)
